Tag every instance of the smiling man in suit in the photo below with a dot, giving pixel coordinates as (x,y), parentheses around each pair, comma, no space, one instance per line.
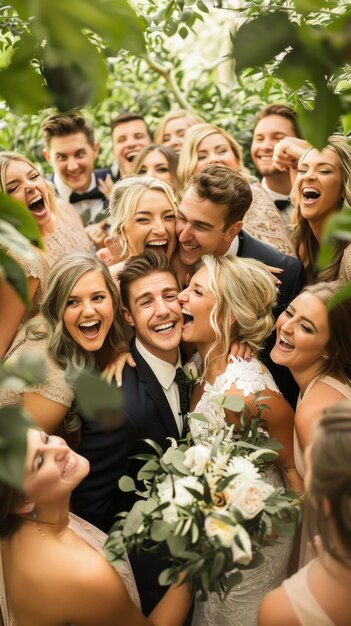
(210,220)
(153,405)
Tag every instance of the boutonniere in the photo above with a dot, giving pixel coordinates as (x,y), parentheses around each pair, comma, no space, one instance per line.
(191,375)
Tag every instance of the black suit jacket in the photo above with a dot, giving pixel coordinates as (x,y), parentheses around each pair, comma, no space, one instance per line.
(293,279)
(146,414)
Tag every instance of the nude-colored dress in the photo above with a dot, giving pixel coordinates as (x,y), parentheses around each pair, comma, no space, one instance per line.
(303,602)
(94,538)
(345,265)
(69,234)
(345,390)
(264,222)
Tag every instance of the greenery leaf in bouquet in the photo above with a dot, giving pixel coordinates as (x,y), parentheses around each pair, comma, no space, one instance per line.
(114,548)
(175,457)
(177,545)
(148,470)
(200,417)
(126,484)
(233,403)
(134,519)
(159,530)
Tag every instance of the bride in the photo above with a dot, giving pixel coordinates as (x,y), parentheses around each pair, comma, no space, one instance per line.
(231,299)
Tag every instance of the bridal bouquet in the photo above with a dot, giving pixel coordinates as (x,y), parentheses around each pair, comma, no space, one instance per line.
(211,506)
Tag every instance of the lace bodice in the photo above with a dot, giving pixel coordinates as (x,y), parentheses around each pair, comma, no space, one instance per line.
(248,376)
(69,234)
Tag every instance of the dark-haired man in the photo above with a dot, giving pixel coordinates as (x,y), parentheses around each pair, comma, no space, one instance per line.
(210,219)
(273,123)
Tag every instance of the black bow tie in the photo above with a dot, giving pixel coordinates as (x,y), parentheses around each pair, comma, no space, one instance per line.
(93,194)
(282,204)
(180,379)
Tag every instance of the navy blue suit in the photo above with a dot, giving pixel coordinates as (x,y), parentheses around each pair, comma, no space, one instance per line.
(293,279)
(146,414)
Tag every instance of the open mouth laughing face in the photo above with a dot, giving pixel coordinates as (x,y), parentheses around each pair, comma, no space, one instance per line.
(318,184)
(152,227)
(25,184)
(197,302)
(89,311)
(155,313)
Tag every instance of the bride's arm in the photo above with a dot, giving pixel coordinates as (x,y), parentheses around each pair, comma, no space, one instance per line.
(280,424)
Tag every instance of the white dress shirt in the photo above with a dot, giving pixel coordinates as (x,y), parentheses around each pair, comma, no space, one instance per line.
(64,192)
(165,373)
(285,213)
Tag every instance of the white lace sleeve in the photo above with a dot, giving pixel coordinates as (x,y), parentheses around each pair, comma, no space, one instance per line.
(247,376)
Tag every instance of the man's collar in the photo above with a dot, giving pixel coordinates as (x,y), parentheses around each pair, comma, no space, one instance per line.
(64,191)
(234,247)
(163,371)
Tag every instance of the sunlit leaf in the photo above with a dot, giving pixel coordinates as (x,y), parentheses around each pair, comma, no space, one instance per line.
(159,530)
(343,293)
(261,39)
(308,6)
(18,215)
(234,403)
(324,116)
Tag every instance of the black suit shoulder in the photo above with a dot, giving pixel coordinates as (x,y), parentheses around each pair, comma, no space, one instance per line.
(293,277)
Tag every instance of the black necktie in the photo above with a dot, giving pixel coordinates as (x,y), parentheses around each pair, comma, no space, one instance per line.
(93,194)
(180,379)
(282,204)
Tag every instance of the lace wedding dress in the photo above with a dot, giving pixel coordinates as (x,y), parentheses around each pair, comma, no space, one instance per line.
(241,606)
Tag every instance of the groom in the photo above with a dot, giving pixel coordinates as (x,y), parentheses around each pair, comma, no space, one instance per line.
(153,406)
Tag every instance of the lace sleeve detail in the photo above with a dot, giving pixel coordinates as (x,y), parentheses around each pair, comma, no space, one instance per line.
(247,376)
(264,222)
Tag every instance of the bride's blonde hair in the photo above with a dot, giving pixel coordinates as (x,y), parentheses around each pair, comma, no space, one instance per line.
(245,295)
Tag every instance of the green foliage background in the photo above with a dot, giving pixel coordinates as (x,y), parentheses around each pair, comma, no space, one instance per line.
(153,75)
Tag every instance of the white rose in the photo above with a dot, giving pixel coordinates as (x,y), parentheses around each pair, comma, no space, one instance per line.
(182,496)
(219,528)
(248,499)
(196,459)
(241,547)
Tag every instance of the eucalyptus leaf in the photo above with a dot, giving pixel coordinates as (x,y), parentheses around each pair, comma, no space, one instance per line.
(324,116)
(176,545)
(159,530)
(134,519)
(126,484)
(200,417)
(234,403)
(166,578)
(98,400)
(148,470)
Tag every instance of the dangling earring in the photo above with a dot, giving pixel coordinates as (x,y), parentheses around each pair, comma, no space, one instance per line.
(35,519)
(326,356)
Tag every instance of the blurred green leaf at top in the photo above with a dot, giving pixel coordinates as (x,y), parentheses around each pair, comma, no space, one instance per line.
(13,445)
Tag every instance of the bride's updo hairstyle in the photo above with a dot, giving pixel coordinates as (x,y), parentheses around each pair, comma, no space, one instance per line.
(330,479)
(245,295)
